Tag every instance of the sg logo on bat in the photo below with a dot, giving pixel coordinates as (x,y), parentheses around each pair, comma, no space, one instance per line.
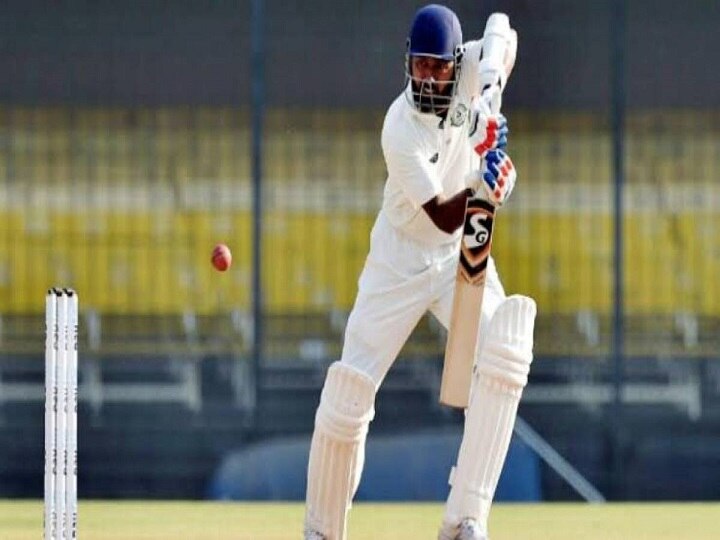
(479,234)
(477,240)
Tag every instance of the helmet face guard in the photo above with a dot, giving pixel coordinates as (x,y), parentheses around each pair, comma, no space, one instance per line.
(426,94)
(435,33)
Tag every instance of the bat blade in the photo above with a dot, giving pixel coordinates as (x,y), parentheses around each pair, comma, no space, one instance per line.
(460,350)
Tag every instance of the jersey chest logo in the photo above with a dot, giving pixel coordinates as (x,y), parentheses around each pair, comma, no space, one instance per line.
(458,115)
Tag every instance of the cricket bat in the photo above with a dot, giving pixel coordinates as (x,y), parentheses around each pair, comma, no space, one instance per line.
(460,350)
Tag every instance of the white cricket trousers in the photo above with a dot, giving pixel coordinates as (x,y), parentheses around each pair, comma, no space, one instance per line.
(402,280)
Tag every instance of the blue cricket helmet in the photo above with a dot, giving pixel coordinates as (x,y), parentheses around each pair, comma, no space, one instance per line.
(435,32)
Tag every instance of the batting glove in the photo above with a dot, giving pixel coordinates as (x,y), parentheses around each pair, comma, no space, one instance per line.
(487,131)
(497,177)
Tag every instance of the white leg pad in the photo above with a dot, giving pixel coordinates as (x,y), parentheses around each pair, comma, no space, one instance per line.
(338,448)
(501,373)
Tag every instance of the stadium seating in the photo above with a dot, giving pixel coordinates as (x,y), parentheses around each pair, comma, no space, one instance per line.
(126,204)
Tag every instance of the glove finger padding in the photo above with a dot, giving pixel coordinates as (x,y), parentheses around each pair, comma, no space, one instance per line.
(487,131)
(497,177)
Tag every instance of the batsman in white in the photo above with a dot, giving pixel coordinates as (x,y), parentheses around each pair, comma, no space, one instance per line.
(441,144)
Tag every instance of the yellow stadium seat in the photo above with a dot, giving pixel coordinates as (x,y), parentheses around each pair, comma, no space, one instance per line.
(154,189)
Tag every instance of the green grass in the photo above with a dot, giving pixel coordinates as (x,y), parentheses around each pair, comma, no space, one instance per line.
(114,520)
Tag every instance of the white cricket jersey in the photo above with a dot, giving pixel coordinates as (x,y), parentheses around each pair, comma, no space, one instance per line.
(428,156)
(412,265)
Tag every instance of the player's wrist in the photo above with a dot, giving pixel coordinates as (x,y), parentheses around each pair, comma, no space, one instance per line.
(473,182)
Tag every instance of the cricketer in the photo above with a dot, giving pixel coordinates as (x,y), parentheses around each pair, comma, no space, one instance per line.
(441,144)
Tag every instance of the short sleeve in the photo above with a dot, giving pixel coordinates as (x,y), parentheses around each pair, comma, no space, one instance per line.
(408,166)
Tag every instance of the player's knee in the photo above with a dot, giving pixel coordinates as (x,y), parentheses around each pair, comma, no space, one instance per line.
(507,353)
(346,404)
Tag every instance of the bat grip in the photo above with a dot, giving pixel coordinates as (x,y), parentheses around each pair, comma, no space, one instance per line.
(495,38)
(492,96)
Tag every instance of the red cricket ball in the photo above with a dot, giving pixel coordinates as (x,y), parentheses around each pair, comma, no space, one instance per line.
(221,257)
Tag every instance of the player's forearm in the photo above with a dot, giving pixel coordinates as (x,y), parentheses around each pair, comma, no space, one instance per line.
(448,214)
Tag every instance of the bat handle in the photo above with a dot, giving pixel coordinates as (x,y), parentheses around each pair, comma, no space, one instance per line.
(497,38)
(492,96)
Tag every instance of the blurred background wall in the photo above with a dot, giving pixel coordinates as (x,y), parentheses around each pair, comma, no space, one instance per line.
(342,55)
(126,153)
